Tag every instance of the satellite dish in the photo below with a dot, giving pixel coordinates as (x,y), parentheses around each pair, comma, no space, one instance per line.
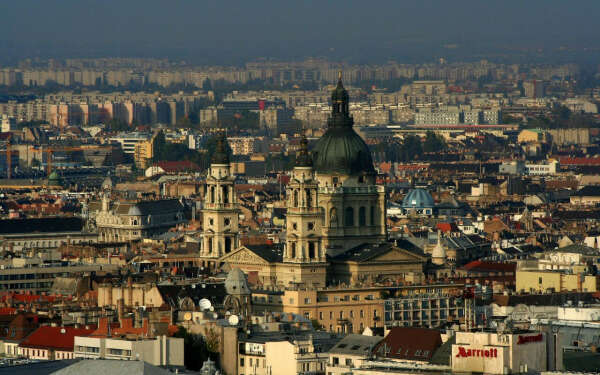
(215,315)
(233,320)
(204,304)
(187,316)
(212,308)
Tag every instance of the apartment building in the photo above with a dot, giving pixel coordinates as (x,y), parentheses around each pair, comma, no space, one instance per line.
(269,353)
(158,351)
(39,277)
(349,310)
(350,353)
(128,141)
(427,310)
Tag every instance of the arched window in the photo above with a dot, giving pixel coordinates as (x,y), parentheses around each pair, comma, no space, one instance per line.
(212,194)
(227,244)
(362,216)
(210,245)
(333,217)
(293,250)
(372,215)
(225,194)
(349,217)
(311,250)
(295,198)
(308,198)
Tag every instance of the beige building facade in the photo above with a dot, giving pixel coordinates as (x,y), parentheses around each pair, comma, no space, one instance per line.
(559,281)
(498,353)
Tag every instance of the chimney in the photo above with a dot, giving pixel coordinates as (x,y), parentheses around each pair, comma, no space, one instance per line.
(126,323)
(121,308)
(103,324)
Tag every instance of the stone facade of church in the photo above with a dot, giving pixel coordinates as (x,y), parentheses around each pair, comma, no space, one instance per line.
(335,223)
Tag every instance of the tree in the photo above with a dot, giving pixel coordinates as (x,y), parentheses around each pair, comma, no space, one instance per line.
(433,142)
(508,119)
(117,125)
(411,148)
(183,123)
(316,325)
(196,348)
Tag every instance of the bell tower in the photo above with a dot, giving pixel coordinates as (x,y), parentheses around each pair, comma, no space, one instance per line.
(220,211)
(304,255)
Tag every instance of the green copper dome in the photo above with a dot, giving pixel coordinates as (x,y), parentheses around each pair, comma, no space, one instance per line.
(341,150)
(54,179)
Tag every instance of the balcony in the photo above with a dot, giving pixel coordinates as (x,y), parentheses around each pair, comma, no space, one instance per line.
(304,210)
(370,189)
(220,206)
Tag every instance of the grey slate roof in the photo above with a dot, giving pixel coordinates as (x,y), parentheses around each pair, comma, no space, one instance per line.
(442,355)
(172,294)
(42,225)
(37,368)
(356,344)
(578,249)
(271,253)
(364,252)
(143,208)
(103,367)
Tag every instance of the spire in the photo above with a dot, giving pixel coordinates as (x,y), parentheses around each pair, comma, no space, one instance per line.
(303,158)
(220,156)
(340,105)
(438,255)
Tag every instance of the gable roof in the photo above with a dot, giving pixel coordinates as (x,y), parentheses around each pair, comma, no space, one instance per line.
(356,344)
(365,252)
(57,338)
(409,343)
(178,166)
(271,253)
(443,354)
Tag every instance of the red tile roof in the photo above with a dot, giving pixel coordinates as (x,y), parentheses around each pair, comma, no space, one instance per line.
(447,227)
(125,328)
(478,265)
(409,343)
(579,161)
(7,311)
(178,166)
(57,338)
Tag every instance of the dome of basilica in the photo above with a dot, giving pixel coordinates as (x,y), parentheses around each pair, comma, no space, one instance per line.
(340,150)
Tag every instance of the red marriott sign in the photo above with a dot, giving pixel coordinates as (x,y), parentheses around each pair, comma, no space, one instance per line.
(485,353)
(527,339)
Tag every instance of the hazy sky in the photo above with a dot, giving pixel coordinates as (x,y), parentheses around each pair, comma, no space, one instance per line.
(233,31)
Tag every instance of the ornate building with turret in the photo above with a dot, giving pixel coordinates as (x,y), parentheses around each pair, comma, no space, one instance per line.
(220,213)
(336,219)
